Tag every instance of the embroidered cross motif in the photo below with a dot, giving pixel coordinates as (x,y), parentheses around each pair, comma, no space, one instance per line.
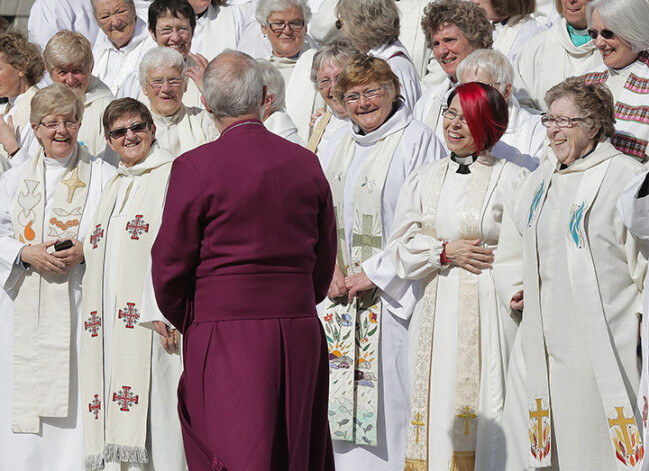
(467,415)
(136,227)
(73,183)
(95,406)
(623,423)
(418,423)
(96,236)
(130,314)
(538,415)
(93,323)
(125,398)
(365,239)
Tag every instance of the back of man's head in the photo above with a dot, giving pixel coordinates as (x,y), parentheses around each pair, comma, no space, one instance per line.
(233,85)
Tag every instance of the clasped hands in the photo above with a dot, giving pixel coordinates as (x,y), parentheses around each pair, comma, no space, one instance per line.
(349,286)
(56,262)
(169,338)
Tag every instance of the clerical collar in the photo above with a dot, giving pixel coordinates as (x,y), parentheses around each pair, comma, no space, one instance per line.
(464,162)
(395,107)
(202,14)
(241,123)
(565,166)
(579,37)
(503,22)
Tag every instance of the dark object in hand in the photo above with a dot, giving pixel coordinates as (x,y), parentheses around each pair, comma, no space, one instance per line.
(63,245)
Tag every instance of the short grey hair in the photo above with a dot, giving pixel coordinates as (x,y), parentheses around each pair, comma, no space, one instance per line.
(491,62)
(233,90)
(161,57)
(337,51)
(274,84)
(369,23)
(265,8)
(129,3)
(626,18)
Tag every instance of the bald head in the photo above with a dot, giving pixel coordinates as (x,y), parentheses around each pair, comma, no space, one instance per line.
(233,85)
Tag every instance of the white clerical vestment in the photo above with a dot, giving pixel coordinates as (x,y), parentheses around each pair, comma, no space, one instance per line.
(417,146)
(547,59)
(430,106)
(220,27)
(582,426)
(629,86)
(280,123)
(91,132)
(331,127)
(184,131)
(415,254)
(19,110)
(164,436)
(60,446)
(396,55)
(48,17)
(513,35)
(112,65)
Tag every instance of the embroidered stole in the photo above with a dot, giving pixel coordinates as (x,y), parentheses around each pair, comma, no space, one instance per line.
(318,132)
(302,99)
(181,132)
(117,431)
(20,116)
(353,329)
(465,424)
(42,310)
(625,437)
(631,110)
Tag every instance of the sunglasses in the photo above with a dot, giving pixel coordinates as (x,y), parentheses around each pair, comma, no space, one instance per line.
(605,34)
(121,132)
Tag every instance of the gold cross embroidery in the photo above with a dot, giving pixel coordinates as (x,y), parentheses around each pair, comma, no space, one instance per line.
(538,414)
(622,422)
(73,183)
(467,416)
(418,423)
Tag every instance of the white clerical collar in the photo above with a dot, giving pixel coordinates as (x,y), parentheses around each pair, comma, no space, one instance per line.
(169,120)
(52,162)
(399,120)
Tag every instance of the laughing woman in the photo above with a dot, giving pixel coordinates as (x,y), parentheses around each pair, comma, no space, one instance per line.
(50,197)
(445,233)
(366,164)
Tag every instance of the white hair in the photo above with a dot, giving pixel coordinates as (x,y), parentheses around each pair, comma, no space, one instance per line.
(491,62)
(266,7)
(628,19)
(274,84)
(161,57)
(233,88)
(129,3)
(337,51)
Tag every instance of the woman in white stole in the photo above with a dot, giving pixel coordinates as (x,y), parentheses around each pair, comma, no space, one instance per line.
(163,80)
(445,232)
(21,68)
(68,60)
(619,30)
(50,197)
(219,26)
(128,381)
(373,26)
(366,165)
(573,372)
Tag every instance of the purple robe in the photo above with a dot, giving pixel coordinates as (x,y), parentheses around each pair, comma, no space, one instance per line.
(246,249)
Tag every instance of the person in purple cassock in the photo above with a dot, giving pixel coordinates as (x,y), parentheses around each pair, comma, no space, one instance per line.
(246,249)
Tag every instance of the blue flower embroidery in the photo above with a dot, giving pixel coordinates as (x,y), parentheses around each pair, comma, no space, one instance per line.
(573,226)
(346,320)
(535,203)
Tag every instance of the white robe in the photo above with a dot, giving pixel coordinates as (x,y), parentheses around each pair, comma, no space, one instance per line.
(60,446)
(280,123)
(418,145)
(184,131)
(113,66)
(511,37)
(164,439)
(91,132)
(48,17)
(580,430)
(413,37)
(547,59)
(416,256)
(399,60)
(334,124)
(429,107)
(19,112)
(219,28)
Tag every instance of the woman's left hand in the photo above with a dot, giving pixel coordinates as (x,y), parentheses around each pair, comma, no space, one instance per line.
(72,256)
(8,135)
(196,72)
(168,336)
(357,284)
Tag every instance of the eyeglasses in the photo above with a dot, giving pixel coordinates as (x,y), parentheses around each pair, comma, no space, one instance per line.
(53,125)
(295,25)
(174,82)
(452,114)
(605,34)
(121,132)
(327,82)
(166,32)
(561,121)
(371,94)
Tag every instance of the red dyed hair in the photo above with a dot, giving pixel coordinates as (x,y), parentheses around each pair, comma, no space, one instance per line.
(485,111)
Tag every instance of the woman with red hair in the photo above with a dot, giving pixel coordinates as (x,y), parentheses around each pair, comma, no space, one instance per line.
(445,232)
